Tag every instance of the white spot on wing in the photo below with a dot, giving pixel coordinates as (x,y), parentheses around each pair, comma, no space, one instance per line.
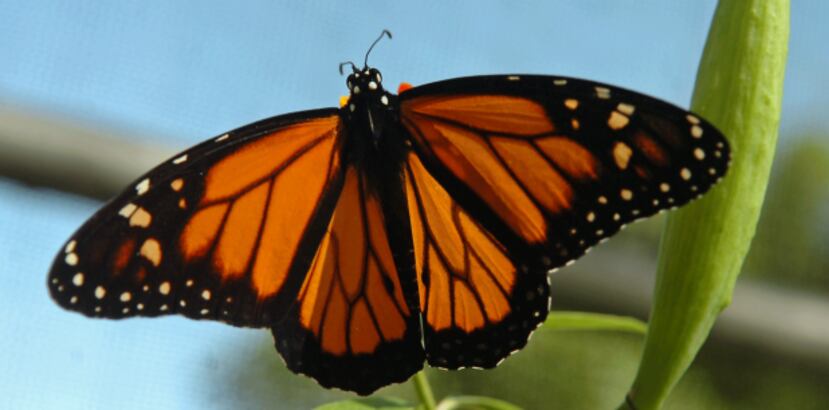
(696,131)
(602,92)
(626,109)
(78,279)
(127,210)
(100,292)
(71,259)
(180,159)
(142,187)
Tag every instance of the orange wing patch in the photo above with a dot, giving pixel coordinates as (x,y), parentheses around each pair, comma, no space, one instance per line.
(258,201)
(507,151)
(465,278)
(501,114)
(351,299)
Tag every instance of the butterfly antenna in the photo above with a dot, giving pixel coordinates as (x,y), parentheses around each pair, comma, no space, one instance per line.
(353,67)
(384,33)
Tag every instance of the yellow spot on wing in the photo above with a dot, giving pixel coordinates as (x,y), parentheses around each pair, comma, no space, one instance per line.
(151,250)
(621,154)
(617,120)
(177,184)
(141,218)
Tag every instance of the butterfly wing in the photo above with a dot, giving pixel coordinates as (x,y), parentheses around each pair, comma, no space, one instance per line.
(224,231)
(352,326)
(478,301)
(530,172)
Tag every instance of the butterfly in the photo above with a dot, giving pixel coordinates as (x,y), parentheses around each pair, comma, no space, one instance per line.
(395,229)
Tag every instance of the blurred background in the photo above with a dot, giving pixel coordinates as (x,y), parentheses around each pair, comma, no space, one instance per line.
(94,93)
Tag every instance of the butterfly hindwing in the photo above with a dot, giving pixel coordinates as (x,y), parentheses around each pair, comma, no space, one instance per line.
(352,326)
(479,300)
(205,233)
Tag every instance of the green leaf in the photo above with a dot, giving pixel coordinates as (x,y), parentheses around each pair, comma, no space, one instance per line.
(475,403)
(561,320)
(370,403)
(739,89)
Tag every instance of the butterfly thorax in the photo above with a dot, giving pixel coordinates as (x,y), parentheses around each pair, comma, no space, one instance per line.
(371,117)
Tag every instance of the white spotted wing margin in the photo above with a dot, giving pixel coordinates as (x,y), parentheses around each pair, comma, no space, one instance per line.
(128,259)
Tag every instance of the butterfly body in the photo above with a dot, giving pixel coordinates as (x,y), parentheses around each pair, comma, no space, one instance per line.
(393,230)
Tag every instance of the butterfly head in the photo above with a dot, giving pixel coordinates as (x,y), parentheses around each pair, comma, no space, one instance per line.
(368,102)
(367,81)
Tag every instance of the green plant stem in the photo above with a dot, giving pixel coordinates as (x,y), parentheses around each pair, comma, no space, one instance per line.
(739,89)
(424,391)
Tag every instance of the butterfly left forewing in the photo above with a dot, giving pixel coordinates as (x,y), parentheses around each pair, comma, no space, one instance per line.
(205,234)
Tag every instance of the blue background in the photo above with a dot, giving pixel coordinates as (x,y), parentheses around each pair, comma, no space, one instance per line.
(183,71)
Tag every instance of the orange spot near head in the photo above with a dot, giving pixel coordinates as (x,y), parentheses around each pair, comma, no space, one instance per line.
(403,87)
(343,100)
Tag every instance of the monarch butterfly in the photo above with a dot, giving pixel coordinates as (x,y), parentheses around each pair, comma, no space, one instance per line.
(395,229)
